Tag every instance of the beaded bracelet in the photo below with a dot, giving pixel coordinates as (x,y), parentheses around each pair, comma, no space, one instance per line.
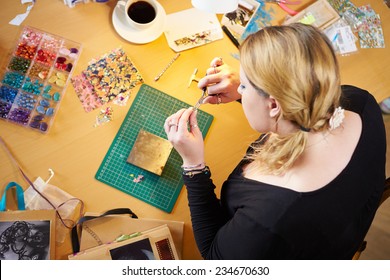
(192,172)
(193,167)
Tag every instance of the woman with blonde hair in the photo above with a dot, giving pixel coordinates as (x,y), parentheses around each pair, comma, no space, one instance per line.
(309,187)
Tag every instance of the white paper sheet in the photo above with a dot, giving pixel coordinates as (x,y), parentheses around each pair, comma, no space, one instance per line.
(191,28)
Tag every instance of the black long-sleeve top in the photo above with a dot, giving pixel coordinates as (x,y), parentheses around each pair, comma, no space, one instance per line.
(255,220)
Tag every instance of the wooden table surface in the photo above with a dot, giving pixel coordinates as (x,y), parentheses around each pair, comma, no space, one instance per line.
(74,148)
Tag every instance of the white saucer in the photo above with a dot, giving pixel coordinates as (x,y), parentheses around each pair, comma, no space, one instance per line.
(138,36)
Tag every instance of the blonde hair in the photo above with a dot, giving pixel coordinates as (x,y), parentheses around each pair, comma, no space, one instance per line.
(297,66)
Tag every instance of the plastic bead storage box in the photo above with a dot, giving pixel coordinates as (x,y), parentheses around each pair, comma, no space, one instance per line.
(34,81)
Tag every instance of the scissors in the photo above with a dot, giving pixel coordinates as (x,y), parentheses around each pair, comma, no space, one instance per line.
(282,4)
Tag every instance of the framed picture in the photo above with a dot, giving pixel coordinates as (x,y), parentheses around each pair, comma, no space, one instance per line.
(27,235)
(139,250)
(236,21)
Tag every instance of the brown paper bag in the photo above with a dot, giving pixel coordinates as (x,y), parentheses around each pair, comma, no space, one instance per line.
(95,229)
(106,229)
(153,244)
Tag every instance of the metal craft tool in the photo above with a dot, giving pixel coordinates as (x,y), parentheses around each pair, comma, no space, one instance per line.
(193,77)
(166,67)
(202,98)
(204,90)
(200,101)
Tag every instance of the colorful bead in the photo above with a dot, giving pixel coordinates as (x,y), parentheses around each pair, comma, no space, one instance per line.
(50,44)
(26,51)
(4,109)
(56,96)
(34,87)
(38,122)
(39,71)
(63,62)
(47,88)
(59,79)
(13,79)
(44,103)
(26,101)
(19,115)
(64,51)
(19,64)
(25,88)
(50,112)
(41,109)
(34,124)
(32,37)
(69,67)
(43,126)
(8,94)
(45,57)
(61,59)
(38,118)
(46,95)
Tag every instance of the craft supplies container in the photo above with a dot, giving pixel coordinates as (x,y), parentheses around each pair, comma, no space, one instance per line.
(34,81)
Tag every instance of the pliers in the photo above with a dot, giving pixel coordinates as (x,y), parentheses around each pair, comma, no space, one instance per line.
(200,101)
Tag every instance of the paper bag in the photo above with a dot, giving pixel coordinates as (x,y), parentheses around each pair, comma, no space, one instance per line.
(107,228)
(25,234)
(65,204)
(154,244)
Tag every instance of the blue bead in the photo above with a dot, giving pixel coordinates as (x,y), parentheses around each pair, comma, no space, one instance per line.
(44,103)
(50,112)
(41,109)
(8,94)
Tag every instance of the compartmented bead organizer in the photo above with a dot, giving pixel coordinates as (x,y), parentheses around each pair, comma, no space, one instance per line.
(35,79)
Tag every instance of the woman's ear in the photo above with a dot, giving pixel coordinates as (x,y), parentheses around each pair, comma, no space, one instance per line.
(274,107)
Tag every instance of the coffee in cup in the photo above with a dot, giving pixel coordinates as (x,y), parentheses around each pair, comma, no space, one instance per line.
(140,14)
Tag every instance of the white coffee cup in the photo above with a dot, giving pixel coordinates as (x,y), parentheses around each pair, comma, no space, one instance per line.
(139,14)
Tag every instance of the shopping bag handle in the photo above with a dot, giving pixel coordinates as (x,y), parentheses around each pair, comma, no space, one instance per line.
(74,232)
(19,197)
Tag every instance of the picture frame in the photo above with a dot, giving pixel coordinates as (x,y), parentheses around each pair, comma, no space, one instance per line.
(27,235)
(238,20)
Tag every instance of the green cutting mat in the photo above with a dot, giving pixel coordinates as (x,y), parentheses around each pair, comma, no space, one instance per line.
(149,110)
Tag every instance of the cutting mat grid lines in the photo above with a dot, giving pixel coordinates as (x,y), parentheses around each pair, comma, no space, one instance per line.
(149,110)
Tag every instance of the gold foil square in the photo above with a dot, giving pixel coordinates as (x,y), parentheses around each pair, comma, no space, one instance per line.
(150,152)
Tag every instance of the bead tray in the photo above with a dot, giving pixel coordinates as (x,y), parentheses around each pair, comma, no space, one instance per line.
(35,78)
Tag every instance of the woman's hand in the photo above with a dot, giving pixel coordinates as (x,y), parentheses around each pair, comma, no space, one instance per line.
(222,83)
(183,132)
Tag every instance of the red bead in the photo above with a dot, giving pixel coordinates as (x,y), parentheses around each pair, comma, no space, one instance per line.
(61,59)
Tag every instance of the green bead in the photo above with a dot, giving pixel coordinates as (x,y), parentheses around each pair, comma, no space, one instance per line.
(47,88)
(56,96)
(46,95)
